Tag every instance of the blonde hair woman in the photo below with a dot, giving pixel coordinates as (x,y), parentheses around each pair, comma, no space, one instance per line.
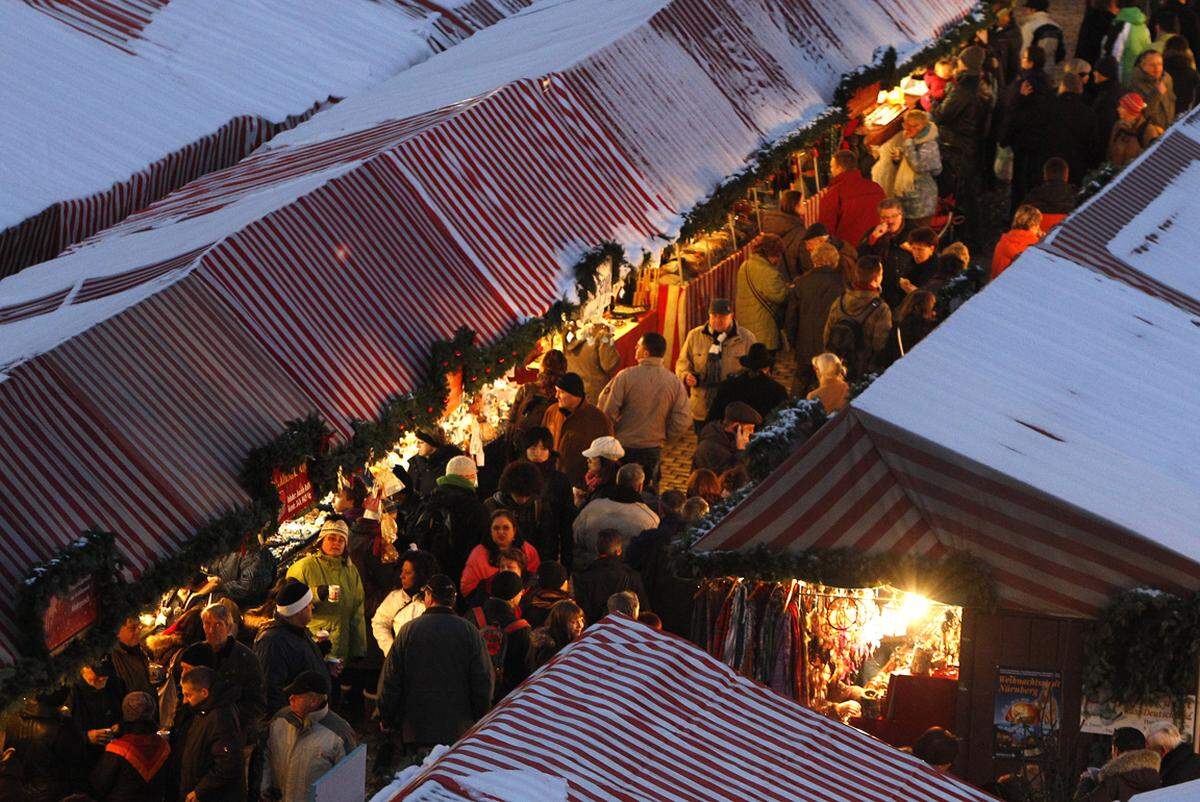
(832,391)
(907,166)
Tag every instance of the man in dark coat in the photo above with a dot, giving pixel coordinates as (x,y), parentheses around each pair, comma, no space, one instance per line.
(129,659)
(884,242)
(285,647)
(133,766)
(1056,194)
(808,306)
(1071,132)
(452,520)
(575,422)
(246,574)
(47,753)
(238,668)
(1108,92)
(608,574)
(753,386)
(557,513)
(1180,763)
(1181,11)
(1132,770)
(650,554)
(429,464)
(211,764)
(723,443)
(95,703)
(437,679)
(962,120)
(500,612)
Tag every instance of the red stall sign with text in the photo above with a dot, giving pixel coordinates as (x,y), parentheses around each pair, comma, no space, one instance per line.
(69,614)
(295,492)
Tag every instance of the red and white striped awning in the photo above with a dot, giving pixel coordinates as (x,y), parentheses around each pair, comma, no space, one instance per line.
(627,713)
(1008,434)
(138,369)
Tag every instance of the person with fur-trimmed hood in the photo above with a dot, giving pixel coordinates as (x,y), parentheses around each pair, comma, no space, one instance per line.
(1132,770)
(304,740)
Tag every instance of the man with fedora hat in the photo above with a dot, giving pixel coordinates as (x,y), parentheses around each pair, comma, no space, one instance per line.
(648,406)
(575,422)
(709,355)
(304,740)
(753,385)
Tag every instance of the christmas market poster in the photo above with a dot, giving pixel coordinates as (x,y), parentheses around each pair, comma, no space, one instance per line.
(1027,711)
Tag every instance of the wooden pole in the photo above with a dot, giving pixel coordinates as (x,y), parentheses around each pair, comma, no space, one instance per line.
(1195,713)
(733,232)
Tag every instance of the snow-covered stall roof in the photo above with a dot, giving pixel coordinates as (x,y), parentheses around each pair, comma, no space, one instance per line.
(629,713)
(111,104)
(1049,428)
(1184,792)
(314,275)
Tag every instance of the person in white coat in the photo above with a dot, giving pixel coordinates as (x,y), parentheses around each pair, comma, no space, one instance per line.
(304,740)
(405,602)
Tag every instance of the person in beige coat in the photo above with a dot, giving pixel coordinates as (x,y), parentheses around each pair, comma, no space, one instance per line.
(648,406)
(709,354)
(594,357)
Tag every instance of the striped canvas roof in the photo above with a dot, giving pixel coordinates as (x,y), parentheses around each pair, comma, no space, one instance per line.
(324,266)
(627,713)
(1048,428)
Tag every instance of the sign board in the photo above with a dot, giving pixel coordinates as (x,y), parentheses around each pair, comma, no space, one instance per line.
(1101,717)
(1028,706)
(70,614)
(295,492)
(345,782)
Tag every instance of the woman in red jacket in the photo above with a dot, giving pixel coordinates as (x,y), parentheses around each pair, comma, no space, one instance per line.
(1026,230)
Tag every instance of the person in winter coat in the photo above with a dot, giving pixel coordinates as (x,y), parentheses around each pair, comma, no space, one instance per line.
(723,443)
(832,391)
(95,703)
(1132,770)
(850,205)
(245,575)
(710,353)
(210,764)
(338,590)
(1097,20)
(937,82)
(915,319)
(1072,133)
(1180,763)
(368,551)
(405,602)
(1106,95)
(47,753)
(753,386)
(787,224)
(423,471)
(575,422)
(1056,196)
(237,667)
(1180,16)
(624,510)
(1156,88)
(1004,42)
(534,398)
(505,534)
(922,247)
(1178,62)
(908,166)
(608,574)
(304,740)
(285,647)
(813,238)
(668,589)
(963,119)
(1028,109)
(1133,133)
(557,501)
(437,679)
(1039,29)
(564,624)
(870,315)
(1128,38)
(132,768)
(808,305)
(500,611)
(520,493)
(552,587)
(884,243)
(129,659)
(453,520)
(648,406)
(1026,230)
(594,358)
(762,290)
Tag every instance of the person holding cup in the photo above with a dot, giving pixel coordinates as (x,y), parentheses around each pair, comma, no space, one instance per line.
(338,598)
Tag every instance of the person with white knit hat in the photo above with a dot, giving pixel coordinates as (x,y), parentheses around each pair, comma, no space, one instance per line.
(338,591)
(285,648)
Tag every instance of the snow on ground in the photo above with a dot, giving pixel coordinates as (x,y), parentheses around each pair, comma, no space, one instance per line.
(1105,372)
(83,115)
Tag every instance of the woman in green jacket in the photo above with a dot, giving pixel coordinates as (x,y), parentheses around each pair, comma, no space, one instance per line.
(762,291)
(337,592)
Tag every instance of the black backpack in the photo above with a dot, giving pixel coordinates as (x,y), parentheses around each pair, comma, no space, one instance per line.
(496,639)
(429,528)
(848,339)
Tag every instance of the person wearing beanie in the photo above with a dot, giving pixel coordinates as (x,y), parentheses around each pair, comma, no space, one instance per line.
(284,647)
(437,679)
(723,443)
(505,632)
(95,703)
(1133,133)
(798,261)
(452,520)
(709,354)
(574,422)
(132,768)
(338,596)
(429,463)
(304,740)
(550,588)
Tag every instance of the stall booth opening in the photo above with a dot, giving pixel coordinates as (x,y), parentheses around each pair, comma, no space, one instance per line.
(881,659)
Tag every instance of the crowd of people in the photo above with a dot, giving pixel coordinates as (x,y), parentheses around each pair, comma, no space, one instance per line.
(265,678)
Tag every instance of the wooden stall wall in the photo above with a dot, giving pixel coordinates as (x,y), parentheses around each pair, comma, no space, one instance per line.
(1014,641)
